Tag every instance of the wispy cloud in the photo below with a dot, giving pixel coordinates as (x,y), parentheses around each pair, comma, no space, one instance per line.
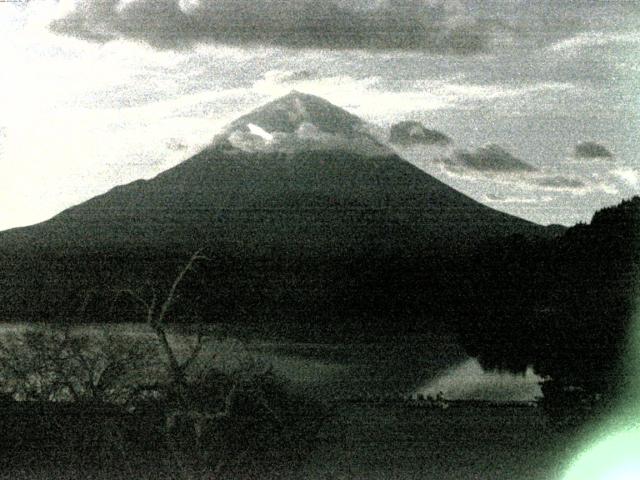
(492,165)
(494,198)
(531,181)
(593,39)
(560,182)
(387,99)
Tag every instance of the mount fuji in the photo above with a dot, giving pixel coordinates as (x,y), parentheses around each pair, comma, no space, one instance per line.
(306,216)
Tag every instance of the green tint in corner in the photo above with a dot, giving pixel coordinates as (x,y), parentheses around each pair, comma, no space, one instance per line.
(615,453)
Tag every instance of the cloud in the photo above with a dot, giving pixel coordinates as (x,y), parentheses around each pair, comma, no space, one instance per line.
(591,150)
(511,199)
(412,132)
(294,76)
(381,96)
(337,24)
(560,182)
(629,176)
(489,158)
(493,165)
(589,40)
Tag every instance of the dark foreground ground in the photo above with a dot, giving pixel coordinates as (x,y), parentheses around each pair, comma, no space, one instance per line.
(362,442)
(358,441)
(460,443)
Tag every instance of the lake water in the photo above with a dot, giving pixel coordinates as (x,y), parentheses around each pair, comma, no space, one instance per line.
(421,364)
(425,365)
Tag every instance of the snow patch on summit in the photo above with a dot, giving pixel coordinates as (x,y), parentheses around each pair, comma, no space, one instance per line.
(260,132)
(301,122)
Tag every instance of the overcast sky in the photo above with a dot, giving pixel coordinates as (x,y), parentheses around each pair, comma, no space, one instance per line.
(101,92)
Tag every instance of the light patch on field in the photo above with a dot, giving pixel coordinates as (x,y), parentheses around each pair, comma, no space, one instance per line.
(468,380)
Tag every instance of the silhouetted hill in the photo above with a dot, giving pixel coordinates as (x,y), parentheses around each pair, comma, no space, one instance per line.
(296,231)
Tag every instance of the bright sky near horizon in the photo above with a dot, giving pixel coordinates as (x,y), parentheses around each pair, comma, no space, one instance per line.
(96,93)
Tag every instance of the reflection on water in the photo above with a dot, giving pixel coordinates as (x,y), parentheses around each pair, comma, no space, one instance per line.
(468,380)
(434,371)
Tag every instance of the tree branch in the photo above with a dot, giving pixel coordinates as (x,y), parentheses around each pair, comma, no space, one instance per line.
(176,370)
(157,323)
(133,295)
(172,291)
(195,351)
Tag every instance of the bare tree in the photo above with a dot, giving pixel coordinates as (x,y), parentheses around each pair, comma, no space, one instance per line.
(156,316)
(206,406)
(52,363)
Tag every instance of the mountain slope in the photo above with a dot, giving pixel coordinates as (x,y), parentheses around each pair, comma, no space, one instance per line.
(333,227)
(307,197)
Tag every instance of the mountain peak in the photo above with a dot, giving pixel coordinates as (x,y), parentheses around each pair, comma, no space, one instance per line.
(286,114)
(300,121)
